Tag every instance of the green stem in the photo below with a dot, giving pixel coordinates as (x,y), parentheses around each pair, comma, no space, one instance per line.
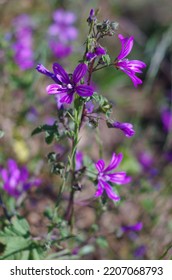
(78,109)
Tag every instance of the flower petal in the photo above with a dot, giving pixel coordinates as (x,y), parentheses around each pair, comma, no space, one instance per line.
(127,128)
(100,189)
(126,46)
(84,90)
(110,193)
(61,73)
(100,165)
(41,69)
(115,161)
(136,227)
(68,98)
(119,178)
(56,89)
(79,72)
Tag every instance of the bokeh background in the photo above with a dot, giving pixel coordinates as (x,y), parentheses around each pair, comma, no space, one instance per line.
(147,156)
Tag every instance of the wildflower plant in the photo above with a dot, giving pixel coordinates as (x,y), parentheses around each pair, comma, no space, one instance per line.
(87,106)
(78,104)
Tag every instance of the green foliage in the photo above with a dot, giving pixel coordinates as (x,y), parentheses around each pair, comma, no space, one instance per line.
(51,132)
(104,105)
(16,241)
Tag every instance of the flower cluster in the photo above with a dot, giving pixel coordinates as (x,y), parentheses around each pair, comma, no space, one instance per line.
(23,47)
(66,85)
(16,180)
(62,32)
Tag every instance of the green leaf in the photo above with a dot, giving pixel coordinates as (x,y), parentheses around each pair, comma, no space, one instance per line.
(86,250)
(14,244)
(21,226)
(49,137)
(102,242)
(1,133)
(51,132)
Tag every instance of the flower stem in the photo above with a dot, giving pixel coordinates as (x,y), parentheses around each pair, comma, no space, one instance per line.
(78,109)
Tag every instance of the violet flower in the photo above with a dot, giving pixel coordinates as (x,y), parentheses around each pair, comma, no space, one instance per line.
(59,49)
(140,251)
(91,17)
(129,67)
(23,47)
(105,177)
(68,84)
(98,51)
(79,160)
(16,179)
(135,227)
(166,117)
(146,160)
(127,128)
(62,33)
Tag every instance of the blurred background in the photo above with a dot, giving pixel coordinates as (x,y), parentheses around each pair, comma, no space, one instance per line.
(30,35)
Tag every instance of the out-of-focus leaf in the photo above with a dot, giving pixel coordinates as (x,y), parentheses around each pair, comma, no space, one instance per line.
(1,133)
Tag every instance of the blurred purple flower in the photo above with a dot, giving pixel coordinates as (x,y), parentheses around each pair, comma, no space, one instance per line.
(146,160)
(135,227)
(127,128)
(129,67)
(104,177)
(32,114)
(79,160)
(23,47)
(140,251)
(16,179)
(68,84)
(89,107)
(98,51)
(166,117)
(59,49)
(62,32)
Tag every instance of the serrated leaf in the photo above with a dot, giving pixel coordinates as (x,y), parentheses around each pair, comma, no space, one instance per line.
(14,244)
(21,226)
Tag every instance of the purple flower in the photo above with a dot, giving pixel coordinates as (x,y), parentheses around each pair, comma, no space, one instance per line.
(129,67)
(59,49)
(62,32)
(135,227)
(23,47)
(98,51)
(91,17)
(63,27)
(68,84)
(127,128)
(166,117)
(16,179)
(79,160)
(140,252)
(105,176)
(146,160)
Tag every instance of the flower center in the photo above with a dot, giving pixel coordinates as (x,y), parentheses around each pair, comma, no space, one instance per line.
(69,86)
